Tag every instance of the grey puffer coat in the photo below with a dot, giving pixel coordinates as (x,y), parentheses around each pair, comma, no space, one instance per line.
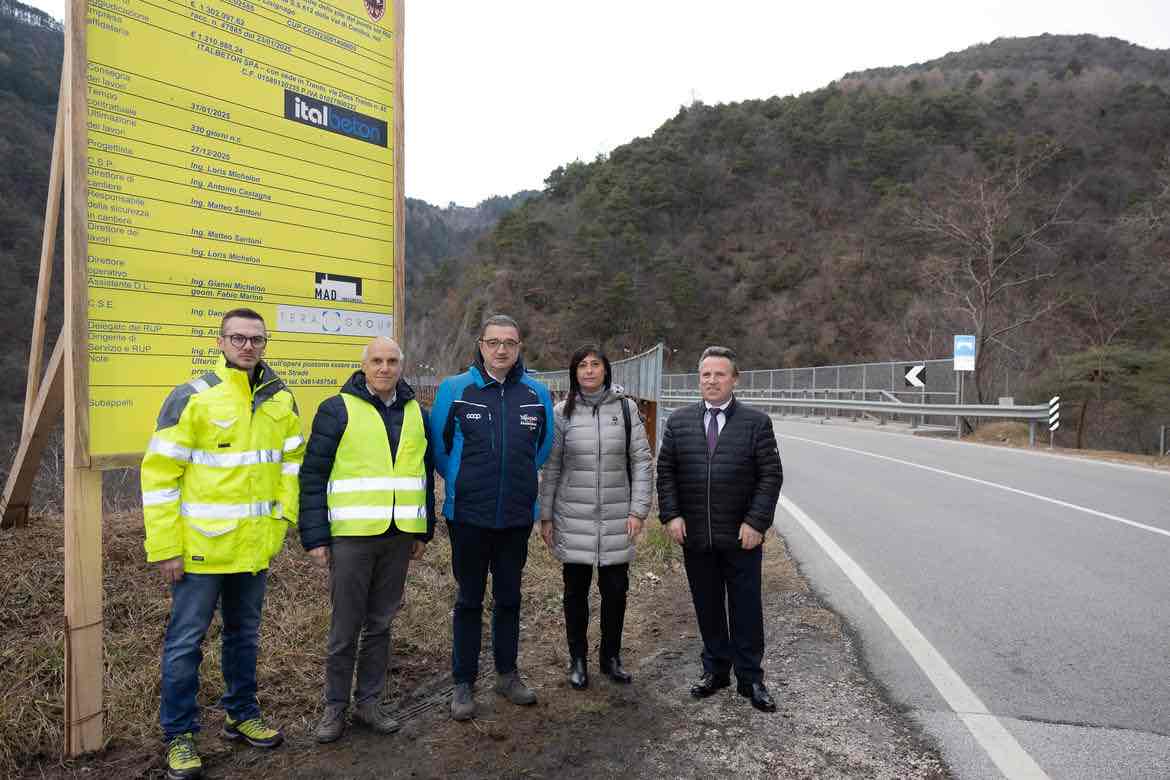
(585,490)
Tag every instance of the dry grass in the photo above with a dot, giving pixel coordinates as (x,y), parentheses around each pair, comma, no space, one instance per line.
(293,636)
(1015,434)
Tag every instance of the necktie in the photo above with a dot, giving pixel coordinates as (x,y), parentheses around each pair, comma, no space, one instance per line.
(712,429)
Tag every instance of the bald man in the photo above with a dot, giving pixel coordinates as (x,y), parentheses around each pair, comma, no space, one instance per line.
(367,510)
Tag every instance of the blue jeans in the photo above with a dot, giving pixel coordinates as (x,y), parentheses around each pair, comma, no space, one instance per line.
(475,551)
(193,602)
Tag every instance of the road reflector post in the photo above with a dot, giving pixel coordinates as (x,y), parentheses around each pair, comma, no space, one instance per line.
(1053,418)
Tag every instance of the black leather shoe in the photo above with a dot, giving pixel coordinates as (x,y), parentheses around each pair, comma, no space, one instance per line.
(612,668)
(578,673)
(708,684)
(758,693)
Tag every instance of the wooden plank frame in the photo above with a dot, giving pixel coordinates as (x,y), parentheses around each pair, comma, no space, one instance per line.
(84,656)
(399,167)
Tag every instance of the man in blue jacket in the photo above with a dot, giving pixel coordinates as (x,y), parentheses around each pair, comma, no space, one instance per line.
(491,429)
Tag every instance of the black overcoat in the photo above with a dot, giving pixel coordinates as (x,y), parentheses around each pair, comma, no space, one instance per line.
(739,482)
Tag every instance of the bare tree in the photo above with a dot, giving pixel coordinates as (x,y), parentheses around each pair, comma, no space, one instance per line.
(992,250)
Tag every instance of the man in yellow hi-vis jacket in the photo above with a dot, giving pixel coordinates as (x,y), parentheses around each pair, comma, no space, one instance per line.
(367,509)
(219,491)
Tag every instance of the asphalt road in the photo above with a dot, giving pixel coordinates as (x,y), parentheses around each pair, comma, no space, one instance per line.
(1016,603)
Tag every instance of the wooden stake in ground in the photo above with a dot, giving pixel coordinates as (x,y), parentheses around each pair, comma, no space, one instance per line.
(83,487)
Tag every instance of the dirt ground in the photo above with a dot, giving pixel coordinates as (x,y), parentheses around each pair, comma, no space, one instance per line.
(832,720)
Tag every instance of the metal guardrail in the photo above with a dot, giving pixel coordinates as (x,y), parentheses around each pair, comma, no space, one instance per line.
(1032,414)
(939,378)
(639,375)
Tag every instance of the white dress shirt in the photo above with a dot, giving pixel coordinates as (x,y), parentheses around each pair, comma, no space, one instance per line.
(722,417)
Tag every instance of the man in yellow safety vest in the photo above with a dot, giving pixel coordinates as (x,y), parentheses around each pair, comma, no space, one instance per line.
(367,510)
(219,491)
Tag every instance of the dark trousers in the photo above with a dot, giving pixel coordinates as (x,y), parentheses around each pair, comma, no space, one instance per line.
(193,602)
(366,575)
(474,552)
(613,582)
(725,586)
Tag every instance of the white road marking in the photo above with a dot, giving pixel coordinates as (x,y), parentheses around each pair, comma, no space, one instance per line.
(1003,749)
(1037,496)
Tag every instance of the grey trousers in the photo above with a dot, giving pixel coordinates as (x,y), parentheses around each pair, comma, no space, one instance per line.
(366,575)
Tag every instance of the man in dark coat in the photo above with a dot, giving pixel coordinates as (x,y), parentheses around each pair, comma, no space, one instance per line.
(719,479)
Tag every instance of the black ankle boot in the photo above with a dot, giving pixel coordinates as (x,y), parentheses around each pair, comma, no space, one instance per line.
(612,667)
(578,673)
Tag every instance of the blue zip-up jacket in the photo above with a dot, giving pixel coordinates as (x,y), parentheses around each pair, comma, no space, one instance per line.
(489,441)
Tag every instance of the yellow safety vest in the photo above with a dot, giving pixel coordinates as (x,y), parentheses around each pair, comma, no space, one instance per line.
(219,477)
(367,488)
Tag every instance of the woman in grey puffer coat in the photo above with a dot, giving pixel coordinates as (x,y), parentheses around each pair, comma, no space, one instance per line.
(594,496)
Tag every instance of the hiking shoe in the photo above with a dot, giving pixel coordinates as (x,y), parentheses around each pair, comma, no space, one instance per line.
(371,715)
(462,702)
(332,723)
(182,759)
(513,688)
(254,731)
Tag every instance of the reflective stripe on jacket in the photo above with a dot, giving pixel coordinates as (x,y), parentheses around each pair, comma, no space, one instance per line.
(329,426)
(219,478)
(367,487)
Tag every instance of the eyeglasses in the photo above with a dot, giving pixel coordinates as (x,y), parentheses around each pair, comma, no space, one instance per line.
(238,340)
(494,344)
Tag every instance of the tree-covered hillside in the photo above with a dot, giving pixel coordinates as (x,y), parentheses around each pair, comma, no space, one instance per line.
(31,48)
(1017,190)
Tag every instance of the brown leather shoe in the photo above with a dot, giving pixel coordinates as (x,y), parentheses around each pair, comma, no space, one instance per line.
(371,715)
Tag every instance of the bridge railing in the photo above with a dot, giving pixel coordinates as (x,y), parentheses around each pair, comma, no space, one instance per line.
(640,376)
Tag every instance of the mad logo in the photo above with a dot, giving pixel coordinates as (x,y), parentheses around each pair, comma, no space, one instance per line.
(375,8)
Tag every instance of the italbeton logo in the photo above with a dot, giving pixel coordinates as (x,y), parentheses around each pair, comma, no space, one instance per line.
(335,119)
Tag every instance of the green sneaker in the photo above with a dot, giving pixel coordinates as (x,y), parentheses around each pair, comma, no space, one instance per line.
(182,760)
(254,731)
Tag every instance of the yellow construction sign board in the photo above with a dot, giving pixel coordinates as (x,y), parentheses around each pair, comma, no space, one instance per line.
(240,153)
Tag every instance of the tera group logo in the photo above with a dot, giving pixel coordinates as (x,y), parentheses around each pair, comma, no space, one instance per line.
(307,319)
(335,119)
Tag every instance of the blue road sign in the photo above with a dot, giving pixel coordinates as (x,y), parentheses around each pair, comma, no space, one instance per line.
(964,353)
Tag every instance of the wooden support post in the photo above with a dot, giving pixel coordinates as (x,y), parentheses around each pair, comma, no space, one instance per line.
(399,312)
(43,397)
(45,412)
(36,349)
(84,681)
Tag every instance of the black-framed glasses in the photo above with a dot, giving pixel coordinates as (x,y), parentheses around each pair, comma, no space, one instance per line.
(238,340)
(508,344)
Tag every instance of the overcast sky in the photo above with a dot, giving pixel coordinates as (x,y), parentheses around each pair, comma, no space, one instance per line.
(498,94)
